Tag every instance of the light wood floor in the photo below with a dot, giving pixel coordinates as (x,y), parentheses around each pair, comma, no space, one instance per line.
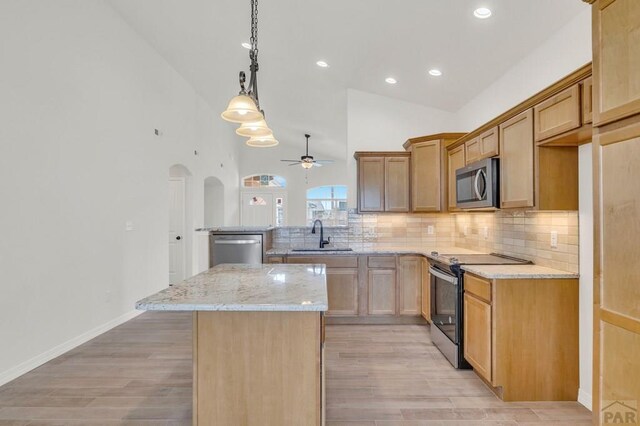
(140,374)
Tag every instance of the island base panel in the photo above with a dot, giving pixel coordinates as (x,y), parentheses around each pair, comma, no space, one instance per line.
(257,368)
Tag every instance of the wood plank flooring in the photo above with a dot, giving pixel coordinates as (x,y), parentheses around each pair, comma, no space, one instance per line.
(140,374)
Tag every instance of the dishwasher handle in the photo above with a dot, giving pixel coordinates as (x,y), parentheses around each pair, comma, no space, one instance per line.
(237,242)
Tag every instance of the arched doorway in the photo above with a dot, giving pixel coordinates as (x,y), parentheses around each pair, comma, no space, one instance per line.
(213,202)
(180,223)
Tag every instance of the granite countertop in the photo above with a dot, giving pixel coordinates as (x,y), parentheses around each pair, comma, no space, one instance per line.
(237,229)
(241,287)
(424,251)
(518,272)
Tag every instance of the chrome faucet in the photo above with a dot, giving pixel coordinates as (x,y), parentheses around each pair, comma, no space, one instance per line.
(323,242)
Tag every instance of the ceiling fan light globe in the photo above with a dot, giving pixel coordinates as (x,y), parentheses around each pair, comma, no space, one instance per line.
(242,109)
(262,141)
(307,164)
(254,128)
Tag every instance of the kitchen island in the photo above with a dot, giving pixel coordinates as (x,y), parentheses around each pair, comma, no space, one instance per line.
(257,342)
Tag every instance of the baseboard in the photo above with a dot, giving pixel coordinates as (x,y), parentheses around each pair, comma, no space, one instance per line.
(584,398)
(37,361)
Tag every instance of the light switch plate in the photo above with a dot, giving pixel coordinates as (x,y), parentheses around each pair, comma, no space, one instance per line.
(128,226)
(554,239)
(430,230)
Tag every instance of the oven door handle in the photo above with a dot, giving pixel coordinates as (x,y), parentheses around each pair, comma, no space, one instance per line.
(446,277)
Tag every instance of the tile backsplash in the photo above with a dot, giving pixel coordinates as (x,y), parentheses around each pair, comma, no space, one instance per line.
(518,233)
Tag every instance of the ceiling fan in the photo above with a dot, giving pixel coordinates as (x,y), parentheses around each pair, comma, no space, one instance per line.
(307,161)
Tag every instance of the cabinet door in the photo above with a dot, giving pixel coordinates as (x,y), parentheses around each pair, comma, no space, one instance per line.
(371,184)
(477,335)
(342,291)
(472,150)
(425,170)
(616,60)
(456,160)
(410,285)
(516,161)
(382,291)
(426,291)
(558,114)
(587,100)
(489,146)
(396,181)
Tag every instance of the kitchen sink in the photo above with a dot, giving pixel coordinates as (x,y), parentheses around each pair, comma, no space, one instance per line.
(321,250)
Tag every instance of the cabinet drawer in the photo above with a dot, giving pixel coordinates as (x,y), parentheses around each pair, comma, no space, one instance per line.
(275,259)
(388,262)
(330,261)
(478,287)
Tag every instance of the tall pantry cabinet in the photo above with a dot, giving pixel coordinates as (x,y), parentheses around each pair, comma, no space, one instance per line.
(616,147)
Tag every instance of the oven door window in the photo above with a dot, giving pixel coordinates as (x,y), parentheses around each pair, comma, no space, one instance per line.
(444,296)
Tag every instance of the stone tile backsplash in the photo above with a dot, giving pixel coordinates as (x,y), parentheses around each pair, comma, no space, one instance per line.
(518,233)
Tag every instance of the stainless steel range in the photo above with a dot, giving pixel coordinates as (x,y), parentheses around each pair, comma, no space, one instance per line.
(447,288)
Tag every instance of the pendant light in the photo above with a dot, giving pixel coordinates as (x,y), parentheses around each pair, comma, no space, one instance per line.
(255,128)
(245,108)
(262,141)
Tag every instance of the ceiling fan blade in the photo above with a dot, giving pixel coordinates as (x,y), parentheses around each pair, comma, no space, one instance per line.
(316,164)
(324,161)
(295,164)
(291,161)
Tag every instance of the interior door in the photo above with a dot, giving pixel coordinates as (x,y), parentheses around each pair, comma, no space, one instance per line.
(176,229)
(257,209)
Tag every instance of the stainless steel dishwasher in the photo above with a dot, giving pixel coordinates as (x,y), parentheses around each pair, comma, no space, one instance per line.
(236,249)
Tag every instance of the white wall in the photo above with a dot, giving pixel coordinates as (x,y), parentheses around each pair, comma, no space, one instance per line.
(586,274)
(81,97)
(378,123)
(564,52)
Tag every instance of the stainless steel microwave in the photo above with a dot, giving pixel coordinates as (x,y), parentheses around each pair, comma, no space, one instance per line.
(477,185)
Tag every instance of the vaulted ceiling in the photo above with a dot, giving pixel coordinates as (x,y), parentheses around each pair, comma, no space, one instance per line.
(364,41)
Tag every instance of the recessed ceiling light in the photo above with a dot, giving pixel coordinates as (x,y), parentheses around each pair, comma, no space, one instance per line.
(390,80)
(482,13)
(246,45)
(436,73)
(322,64)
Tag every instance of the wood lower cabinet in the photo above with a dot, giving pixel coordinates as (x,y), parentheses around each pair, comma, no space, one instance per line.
(616,60)
(410,285)
(342,291)
(455,161)
(381,286)
(383,181)
(477,335)
(426,291)
(521,336)
(517,162)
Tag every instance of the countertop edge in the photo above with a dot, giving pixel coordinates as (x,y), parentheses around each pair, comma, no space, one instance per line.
(229,308)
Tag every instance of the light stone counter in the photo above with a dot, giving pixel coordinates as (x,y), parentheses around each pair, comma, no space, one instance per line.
(503,272)
(391,250)
(241,287)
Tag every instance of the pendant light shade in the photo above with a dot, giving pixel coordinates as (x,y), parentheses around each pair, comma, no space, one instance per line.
(255,128)
(262,141)
(242,109)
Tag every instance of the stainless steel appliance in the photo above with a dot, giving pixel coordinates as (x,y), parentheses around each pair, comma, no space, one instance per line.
(477,185)
(236,248)
(447,308)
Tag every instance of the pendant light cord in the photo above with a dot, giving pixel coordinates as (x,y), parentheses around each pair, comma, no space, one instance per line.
(253,55)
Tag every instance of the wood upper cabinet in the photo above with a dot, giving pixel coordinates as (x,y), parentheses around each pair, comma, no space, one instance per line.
(383,181)
(381,287)
(371,184)
(616,60)
(477,335)
(516,161)
(410,285)
(558,114)
(455,161)
(425,176)
(342,291)
(587,100)
(396,184)
(484,146)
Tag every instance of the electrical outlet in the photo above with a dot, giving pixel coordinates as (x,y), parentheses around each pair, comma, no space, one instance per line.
(485,232)
(554,239)
(430,230)
(128,226)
